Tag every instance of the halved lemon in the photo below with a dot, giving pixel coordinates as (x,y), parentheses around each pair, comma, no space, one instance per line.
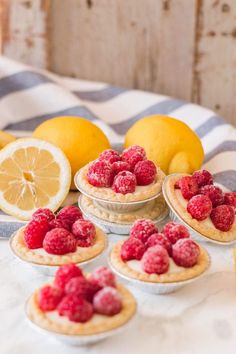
(33,174)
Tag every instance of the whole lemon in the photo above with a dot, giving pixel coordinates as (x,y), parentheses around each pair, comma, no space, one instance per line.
(5,138)
(80,140)
(170,143)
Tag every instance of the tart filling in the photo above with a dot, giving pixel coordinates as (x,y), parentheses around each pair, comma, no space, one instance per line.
(206,226)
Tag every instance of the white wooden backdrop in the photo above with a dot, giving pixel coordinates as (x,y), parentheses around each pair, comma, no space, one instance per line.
(183,48)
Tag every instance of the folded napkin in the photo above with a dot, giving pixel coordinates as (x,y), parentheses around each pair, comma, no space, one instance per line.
(28,96)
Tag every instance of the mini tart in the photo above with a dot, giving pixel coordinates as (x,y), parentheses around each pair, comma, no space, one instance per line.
(204,227)
(41,257)
(51,321)
(141,193)
(169,277)
(152,210)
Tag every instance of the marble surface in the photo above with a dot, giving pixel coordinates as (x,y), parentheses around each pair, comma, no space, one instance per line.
(199,318)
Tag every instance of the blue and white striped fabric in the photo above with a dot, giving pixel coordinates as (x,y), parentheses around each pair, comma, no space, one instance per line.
(29,96)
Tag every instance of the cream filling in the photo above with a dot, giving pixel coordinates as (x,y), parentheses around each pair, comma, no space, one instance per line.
(137,188)
(63,320)
(42,252)
(137,266)
(207,222)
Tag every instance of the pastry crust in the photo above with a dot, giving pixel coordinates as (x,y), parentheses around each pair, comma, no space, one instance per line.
(82,254)
(151,210)
(206,228)
(185,274)
(106,323)
(141,193)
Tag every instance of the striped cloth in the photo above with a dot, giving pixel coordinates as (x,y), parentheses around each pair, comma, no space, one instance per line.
(28,96)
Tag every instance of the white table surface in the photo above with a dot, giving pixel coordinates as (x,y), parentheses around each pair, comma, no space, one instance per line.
(200,318)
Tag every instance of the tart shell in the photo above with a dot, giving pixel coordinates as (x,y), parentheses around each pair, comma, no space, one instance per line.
(152,210)
(107,194)
(40,318)
(186,274)
(82,254)
(210,232)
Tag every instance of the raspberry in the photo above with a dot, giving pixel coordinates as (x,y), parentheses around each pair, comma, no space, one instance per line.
(84,232)
(55,223)
(109,156)
(200,207)
(155,260)
(80,286)
(177,184)
(102,277)
(35,232)
(133,154)
(177,232)
(143,229)
(107,301)
(223,217)
(214,193)
(59,241)
(100,174)
(145,172)
(70,214)
(88,242)
(132,248)
(120,166)
(230,199)
(124,182)
(202,177)
(45,212)
(75,308)
(161,240)
(188,187)
(167,227)
(49,297)
(83,229)
(65,273)
(185,253)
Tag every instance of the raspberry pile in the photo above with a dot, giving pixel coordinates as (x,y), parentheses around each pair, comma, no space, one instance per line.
(154,249)
(78,297)
(208,200)
(122,172)
(59,233)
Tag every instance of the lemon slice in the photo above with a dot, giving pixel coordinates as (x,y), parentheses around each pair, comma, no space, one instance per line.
(33,174)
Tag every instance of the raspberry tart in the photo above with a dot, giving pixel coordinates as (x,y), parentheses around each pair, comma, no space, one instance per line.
(121,178)
(76,305)
(202,206)
(52,240)
(159,262)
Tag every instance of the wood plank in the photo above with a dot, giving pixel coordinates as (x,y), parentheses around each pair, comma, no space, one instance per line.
(131,43)
(214,83)
(25,29)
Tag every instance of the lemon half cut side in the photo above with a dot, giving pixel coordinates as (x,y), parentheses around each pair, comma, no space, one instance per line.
(33,174)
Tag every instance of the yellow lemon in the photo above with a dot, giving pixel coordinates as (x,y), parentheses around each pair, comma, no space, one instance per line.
(5,138)
(33,174)
(170,143)
(80,140)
